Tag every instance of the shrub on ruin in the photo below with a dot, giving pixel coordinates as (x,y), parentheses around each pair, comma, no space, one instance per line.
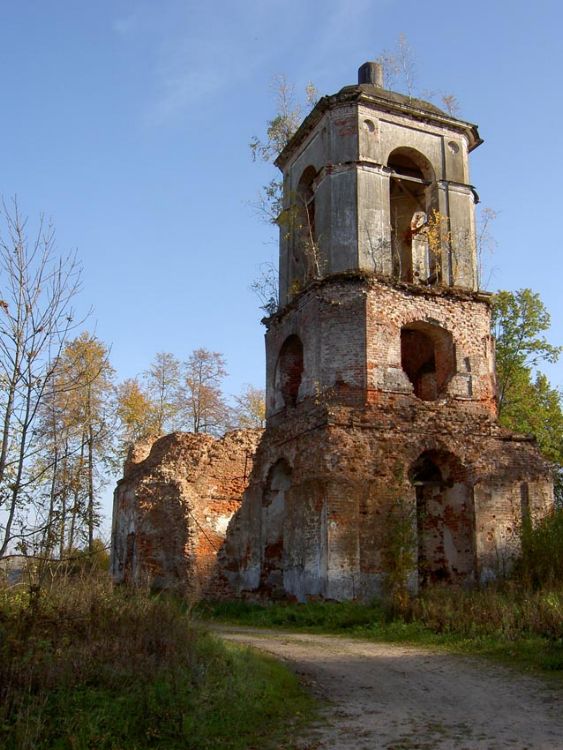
(399,555)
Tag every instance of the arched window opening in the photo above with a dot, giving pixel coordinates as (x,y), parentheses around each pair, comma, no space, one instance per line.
(290,370)
(424,471)
(273,517)
(278,481)
(306,202)
(444,519)
(427,358)
(130,567)
(412,202)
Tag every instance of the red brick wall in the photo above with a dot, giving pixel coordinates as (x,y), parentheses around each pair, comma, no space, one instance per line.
(350,327)
(177,502)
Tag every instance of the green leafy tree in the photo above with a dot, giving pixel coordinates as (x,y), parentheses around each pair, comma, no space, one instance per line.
(527,402)
(519,320)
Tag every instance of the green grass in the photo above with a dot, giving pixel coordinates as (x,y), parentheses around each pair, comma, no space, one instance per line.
(90,668)
(518,621)
(522,629)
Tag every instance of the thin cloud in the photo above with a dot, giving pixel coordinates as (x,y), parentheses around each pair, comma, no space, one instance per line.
(197,52)
(200,50)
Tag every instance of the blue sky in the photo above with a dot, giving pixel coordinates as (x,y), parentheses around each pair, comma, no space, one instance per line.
(128,123)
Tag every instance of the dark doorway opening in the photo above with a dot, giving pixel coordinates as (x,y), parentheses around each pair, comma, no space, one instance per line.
(273,519)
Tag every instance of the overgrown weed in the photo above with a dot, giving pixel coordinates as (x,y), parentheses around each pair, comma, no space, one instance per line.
(524,629)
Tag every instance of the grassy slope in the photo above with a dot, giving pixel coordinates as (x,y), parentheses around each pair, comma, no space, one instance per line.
(89,667)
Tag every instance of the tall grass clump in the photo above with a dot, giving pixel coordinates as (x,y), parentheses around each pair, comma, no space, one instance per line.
(541,562)
(505,611)
(84,666)
(527,601)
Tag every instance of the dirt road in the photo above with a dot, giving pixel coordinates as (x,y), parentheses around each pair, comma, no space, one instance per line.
(403,698)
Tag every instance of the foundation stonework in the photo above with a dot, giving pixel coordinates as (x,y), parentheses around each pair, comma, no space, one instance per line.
(380,387)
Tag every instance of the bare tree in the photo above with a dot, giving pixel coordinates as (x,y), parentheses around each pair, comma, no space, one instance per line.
(285,122)
(163,381)
(279,131)
(485,242)
(36,317)
(204,407)
(451,104)
(266,288)
(399,73)
(399,67)
(269,205)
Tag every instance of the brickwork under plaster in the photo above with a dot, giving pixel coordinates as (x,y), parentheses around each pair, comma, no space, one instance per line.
(349,465)
(350,327)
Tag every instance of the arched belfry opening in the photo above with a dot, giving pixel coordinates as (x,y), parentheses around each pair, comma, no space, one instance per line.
(305,255)
(445,519)
(413,200)
(306,202)
(427,358)
(289,370)
(277,485)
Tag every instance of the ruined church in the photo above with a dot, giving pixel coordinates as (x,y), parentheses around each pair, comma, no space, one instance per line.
(380,386)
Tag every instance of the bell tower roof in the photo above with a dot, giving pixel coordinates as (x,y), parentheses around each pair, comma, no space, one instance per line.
(369,91)
(375,181)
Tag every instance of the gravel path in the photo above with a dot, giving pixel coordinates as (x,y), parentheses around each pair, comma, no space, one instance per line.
(402,697)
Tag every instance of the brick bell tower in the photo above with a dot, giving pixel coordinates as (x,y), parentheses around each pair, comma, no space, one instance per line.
(380,376)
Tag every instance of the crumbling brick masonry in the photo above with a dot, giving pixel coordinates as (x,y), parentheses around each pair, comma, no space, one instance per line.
(173,506)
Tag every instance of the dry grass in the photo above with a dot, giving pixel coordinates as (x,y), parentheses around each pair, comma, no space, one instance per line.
(506,611)
(84,666)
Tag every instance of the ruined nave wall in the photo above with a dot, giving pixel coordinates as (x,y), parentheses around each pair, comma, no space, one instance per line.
(173,506)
